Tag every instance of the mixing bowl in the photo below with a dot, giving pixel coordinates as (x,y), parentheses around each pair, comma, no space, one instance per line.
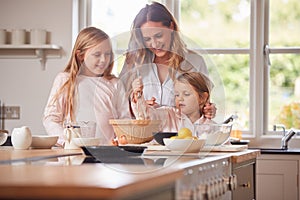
(135,131)
(216,134)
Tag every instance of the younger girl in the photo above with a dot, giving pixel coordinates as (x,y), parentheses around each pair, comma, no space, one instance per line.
(192,92)
(86,90)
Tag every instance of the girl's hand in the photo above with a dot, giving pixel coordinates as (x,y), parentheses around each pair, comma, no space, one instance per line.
(209,110)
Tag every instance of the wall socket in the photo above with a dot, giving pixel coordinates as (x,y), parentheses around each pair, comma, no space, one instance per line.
(10,112)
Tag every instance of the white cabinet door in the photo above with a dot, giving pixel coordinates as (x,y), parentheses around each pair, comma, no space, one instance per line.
(277,179)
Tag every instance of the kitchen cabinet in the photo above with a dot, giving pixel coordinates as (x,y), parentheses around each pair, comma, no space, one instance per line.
(42,52)
(245,174)
(277,177)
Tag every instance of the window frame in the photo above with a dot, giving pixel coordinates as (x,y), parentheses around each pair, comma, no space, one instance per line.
(259,52)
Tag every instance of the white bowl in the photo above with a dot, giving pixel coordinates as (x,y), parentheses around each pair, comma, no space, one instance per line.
(43,141)
(216,134)
(81,142)
(185,145)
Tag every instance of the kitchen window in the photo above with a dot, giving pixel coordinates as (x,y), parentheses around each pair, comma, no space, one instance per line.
(253,45)
(112,16)
(282,50)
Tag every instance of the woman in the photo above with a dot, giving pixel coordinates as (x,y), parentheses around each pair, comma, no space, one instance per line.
(157,55)
(86,90)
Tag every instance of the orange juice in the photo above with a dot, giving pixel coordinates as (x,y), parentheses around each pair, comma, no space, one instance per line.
(236,134)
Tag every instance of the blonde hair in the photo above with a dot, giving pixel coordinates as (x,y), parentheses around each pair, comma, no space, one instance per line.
(137,52)
(200,83)
(87,38)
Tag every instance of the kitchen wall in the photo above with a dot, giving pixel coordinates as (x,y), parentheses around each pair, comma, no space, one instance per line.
(22,81)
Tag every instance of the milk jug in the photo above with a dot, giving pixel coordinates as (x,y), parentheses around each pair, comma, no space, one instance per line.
(69,134)
(21,138)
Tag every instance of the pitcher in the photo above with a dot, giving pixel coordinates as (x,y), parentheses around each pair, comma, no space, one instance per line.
(21,138)
(69,134)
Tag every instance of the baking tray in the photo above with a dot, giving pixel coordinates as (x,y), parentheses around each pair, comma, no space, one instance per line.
(113,151)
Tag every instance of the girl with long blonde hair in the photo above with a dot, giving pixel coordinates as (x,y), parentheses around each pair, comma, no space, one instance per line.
(87,90)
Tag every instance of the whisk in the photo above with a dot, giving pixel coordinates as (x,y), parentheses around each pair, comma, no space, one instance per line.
(141,108)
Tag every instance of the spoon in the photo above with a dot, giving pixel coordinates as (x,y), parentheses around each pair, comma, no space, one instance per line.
(141,109)
(230,119)
(138,75)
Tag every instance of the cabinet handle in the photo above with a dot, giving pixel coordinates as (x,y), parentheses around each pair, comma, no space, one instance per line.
(247,185)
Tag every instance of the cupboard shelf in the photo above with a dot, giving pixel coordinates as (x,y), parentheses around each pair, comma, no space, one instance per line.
(42,52)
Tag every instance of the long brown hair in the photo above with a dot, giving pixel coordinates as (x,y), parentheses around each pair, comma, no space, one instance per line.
(87,38)
(137,52)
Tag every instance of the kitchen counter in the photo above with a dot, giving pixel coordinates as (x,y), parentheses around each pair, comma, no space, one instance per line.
(241,156)
(63,174)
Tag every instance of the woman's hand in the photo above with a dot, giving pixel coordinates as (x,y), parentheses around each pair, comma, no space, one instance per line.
(137,87)
(209,110)
(152,102)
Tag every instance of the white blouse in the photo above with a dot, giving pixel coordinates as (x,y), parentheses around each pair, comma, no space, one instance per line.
(163,93)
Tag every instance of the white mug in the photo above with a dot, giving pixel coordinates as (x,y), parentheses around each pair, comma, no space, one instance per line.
(69,134)
(2,36)
(21,138)
(18,36)
(38,36)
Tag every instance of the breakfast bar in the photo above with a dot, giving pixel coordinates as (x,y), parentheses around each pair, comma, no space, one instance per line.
(66,174)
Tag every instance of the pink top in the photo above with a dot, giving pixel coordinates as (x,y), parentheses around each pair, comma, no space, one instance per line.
(172,119)
(97,99)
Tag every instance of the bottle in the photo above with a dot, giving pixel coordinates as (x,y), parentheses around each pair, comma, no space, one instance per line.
(236,129)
